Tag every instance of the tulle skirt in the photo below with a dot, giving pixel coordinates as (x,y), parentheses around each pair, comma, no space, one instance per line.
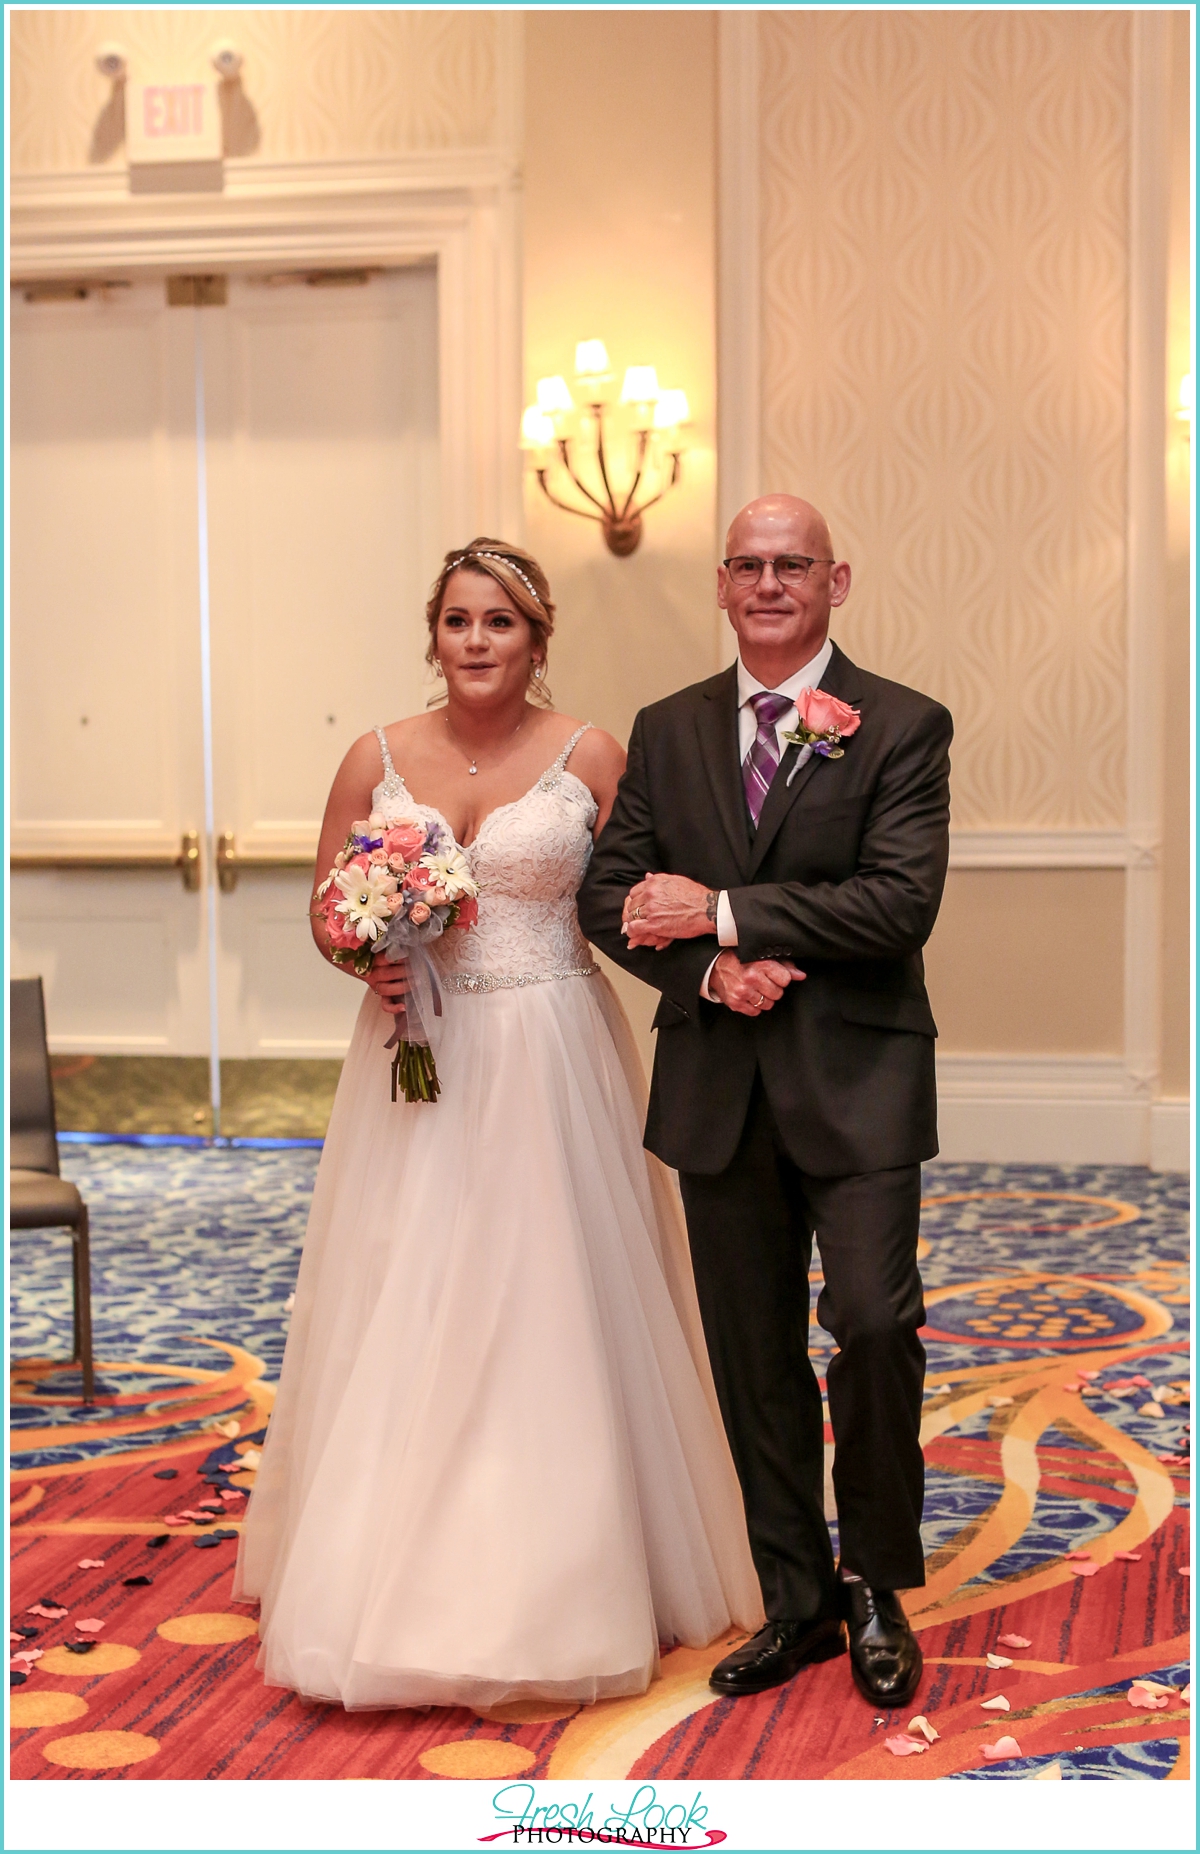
(495,1467)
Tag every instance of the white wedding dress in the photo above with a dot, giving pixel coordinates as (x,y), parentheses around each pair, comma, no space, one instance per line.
(495,1467)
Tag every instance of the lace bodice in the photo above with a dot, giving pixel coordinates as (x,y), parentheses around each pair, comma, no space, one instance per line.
(529,859)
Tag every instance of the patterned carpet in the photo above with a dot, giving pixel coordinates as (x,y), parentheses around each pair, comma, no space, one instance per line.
(1056,1423)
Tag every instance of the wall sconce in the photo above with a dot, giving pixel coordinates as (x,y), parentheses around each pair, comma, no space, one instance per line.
(1183,411)
(643,424)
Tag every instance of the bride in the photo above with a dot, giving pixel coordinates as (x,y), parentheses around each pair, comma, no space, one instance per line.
(495,1468)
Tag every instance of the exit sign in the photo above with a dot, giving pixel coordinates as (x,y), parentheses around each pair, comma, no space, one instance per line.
(172,122)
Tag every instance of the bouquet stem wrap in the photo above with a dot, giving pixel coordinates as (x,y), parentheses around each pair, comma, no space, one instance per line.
(413,1065)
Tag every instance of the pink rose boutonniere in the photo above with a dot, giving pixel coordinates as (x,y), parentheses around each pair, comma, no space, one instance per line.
(823,724)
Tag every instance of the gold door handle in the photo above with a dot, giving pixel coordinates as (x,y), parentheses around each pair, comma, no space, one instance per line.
(187,861)
(231,861)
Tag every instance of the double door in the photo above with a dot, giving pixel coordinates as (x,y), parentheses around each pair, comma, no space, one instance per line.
(224,524)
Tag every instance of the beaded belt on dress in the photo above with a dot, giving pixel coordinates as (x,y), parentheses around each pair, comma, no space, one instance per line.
(505,981)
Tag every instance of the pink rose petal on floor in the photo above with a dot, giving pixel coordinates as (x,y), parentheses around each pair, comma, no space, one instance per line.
(1080,1554)
(1003,1747)
(1014,1641)
(90,1625)
(997,1703)
(91,1564)
(905,1747)
(1084,1570)
(1130,1557)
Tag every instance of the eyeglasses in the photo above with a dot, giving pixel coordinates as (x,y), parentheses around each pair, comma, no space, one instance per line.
(790,569)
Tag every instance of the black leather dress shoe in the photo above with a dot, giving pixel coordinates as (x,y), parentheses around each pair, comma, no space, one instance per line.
(777,1652)
(884,1657)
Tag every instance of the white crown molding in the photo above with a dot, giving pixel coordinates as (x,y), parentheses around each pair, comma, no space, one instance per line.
(438,171)
(1040,849)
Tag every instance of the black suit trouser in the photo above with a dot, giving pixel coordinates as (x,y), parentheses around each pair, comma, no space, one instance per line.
(751,1228)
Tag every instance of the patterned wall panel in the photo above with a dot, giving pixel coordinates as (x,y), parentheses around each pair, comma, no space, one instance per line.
(944,277)
(314,84)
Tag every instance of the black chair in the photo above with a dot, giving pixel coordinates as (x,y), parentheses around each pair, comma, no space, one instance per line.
(39,1198)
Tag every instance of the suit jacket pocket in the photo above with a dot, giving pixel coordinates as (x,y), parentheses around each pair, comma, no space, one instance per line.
(886,1010)
(669,1013)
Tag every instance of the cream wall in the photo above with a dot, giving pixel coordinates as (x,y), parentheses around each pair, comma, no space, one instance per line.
(961,290)
(321,85)
(944,255)
(620,179)
(1177,1014)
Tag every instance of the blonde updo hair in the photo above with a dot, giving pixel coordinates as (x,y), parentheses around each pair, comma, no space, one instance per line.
(520,576)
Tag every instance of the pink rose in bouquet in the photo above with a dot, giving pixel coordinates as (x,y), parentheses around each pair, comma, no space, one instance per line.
(404,840)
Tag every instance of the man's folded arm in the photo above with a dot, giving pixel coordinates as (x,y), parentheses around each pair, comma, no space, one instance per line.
(887,909)
(626,852)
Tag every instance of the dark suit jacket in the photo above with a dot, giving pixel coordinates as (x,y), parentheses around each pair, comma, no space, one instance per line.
(844,876)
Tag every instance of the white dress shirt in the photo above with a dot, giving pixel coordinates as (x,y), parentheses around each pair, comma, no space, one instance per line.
(807,678)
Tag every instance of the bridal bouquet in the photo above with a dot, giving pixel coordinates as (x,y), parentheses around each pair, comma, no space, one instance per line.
(392,891)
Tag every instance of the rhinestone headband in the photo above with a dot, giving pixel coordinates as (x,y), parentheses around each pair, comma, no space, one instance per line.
(485,553)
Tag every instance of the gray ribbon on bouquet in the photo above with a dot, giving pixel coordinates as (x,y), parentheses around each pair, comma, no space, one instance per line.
(415,1019)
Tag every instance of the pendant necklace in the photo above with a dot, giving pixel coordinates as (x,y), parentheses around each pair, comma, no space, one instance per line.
(472,768)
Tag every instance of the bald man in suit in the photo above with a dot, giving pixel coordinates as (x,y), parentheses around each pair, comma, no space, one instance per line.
(796,846)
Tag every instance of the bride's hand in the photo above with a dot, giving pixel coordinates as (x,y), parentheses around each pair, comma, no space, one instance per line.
(389,981)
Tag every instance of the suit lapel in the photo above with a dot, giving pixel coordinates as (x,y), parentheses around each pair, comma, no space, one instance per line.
(717,731)
(840,679)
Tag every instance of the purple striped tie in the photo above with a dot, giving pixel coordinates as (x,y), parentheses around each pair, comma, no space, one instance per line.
(762,762)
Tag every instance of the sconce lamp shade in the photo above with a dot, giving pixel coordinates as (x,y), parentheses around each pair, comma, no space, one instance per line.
(641,386)
(591,359)
(625,479)
(671,409)
(554,395)
(537,429)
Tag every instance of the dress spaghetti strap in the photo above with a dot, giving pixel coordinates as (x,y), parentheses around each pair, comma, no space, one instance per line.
(385,750)
(393,784)
(554,773)
(560,764)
